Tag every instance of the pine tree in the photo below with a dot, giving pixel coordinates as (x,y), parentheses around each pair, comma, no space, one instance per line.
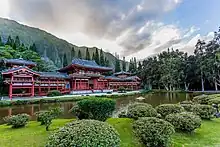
(139,66)
(9,41)
(17,41)
(65,62)
(117,66)
(1,42)
(87,54)
(102,58)
(93,56)
(97,56)
(34,48)
(79,54)
(135,64)
(73,53)
(106,62)
(131,65)
(124,64)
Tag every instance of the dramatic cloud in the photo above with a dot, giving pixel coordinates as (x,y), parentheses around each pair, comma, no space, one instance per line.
(128,23)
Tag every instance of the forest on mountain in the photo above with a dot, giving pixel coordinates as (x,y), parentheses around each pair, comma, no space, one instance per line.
(176,70)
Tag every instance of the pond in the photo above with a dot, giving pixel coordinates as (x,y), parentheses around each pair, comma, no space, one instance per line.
(151,98)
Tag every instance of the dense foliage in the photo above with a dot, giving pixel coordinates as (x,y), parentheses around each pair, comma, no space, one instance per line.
(202,99)
(187,105)
(17,121)
(94,108)
(204,111)
(166,109)
(185,121)
(88,133)
(54,93)
(153,132)
(174,69)
(137,110)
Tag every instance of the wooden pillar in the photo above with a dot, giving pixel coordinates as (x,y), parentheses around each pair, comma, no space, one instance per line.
(48,85)
(57,85)
(75,85)
(11,88)
(39,89)
(32,87)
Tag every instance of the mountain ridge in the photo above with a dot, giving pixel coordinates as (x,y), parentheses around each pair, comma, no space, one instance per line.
(48,45)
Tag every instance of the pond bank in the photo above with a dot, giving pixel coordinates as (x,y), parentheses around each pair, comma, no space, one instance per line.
(65,98)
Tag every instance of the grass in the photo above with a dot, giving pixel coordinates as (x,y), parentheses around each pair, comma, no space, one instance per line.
(34,135)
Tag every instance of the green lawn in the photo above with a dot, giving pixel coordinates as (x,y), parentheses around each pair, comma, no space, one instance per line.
(34,135)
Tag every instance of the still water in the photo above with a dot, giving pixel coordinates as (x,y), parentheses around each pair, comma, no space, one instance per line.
(151,98)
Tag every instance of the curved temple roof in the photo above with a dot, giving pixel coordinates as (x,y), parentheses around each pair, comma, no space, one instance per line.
(122,73)
(18,62)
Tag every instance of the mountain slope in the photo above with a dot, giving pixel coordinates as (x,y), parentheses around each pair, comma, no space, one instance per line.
(47,44)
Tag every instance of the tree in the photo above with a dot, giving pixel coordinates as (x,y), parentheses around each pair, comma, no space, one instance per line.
(139,66)
(9,41)
(79,54)
(117,66)
(88,54)
(135,64)
(73,53)
(97,56)
(102,58)
(93,56)
(17,41)
(65,62)
(1,42)
(123,64)
(106,62)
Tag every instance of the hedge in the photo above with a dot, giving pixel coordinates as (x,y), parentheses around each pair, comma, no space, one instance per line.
(204,111)
(137,110)
(53,93)
(85,133)
(17,121)
(153,132)
(166,109)
(94,108)
(185,121)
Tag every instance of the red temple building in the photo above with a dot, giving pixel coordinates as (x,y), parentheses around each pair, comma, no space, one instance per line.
(80,77)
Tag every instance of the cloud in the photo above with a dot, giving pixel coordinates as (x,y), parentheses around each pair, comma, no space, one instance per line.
(118,21)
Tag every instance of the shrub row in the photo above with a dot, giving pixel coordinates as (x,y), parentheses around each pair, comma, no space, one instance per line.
(53,93)
(166,109)
(85,133)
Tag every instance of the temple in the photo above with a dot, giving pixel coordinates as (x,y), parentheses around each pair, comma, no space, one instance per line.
(80,77)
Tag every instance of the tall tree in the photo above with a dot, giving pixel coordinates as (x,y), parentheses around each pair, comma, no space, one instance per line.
(65,62)
(123,64)
(102,58)
(106,62)
(17,41)
(93,56)
(88,54)
(139,66)
(135,64)
(79,54)
(97,56)
(1,42)
(10,41)
(73,53)
(117,66)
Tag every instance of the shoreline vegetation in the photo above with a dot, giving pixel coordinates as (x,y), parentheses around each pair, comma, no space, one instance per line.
(37,135)
(66,98)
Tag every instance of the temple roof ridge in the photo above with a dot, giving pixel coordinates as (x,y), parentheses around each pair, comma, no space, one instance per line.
(19,61)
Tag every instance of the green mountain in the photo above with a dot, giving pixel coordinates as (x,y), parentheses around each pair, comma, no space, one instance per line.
(48,45)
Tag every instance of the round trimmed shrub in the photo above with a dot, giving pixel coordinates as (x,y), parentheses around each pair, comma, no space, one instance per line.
(202,99)
(204,111)
(94,108)
(166,109)
(214,101)
(137,110)
(17,121)
(187,105)
(185,121)
(54,93)
(153,131)
(85,133)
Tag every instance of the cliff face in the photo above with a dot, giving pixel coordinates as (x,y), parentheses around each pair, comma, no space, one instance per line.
(48,45)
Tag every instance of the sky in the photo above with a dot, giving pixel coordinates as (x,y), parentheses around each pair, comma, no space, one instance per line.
(132,28)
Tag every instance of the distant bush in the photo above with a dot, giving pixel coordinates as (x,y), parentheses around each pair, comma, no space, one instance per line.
(203,99)
(204,111)
(153,132)
(215,100)
(94,108)
(17,121)
(185,121)
(166,109)
(54,93)
(46,117)
(122,114)
(5,103)
(137,110)
(121,89)
(187,105)
(85,133)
